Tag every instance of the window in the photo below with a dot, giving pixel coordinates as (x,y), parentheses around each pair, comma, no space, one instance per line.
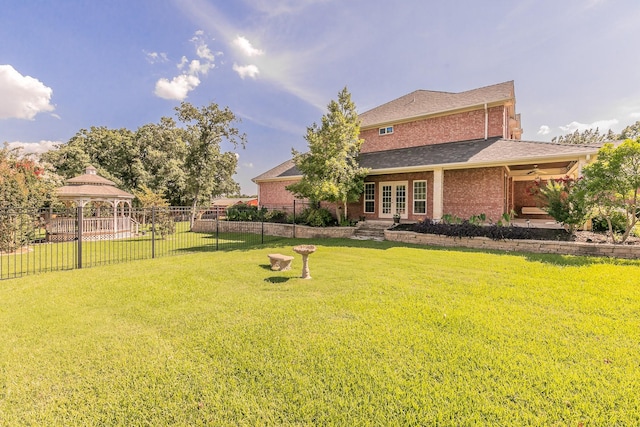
(385,131)
(369,197)
(420,197)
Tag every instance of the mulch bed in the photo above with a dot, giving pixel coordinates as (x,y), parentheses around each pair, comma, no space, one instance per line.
(510,232)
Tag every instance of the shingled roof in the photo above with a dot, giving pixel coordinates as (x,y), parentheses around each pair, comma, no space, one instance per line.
(91,185)
(426,102)
(469,154)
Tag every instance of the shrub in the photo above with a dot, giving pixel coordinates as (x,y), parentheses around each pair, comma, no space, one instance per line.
(493,231)
(277,216)
(244,212)
(563,199)
(618,223)
(316,217)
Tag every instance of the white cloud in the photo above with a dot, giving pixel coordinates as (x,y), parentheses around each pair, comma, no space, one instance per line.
(601,125)
(155,57)
(248,165)
(196,67)
(34,147)
(635,115)
(22,97)
(544,130)
(245,47)
(178,88)
(246,70)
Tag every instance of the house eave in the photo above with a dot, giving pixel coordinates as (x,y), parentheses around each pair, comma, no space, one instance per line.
(466,165)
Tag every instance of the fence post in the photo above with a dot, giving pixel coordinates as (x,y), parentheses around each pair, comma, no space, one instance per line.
(80,218)
(294,218)
(153,232)
(262,233)
(217,231)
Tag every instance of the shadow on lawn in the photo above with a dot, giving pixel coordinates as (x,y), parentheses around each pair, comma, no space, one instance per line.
(277,279)
(249,242)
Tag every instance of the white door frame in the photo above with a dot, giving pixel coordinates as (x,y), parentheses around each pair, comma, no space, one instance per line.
(394,197)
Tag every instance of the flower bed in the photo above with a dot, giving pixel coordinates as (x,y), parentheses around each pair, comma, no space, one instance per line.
(517,245)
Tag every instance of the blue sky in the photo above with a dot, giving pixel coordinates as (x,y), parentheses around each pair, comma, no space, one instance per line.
(69,65)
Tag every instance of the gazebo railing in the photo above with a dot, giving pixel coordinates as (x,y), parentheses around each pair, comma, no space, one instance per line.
(92,226)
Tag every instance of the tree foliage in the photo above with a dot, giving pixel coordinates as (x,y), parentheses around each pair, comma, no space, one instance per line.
(208,169)
(25,187)
(330,169)
(182,164)
(593,136)
(564,200)
(612,184)
(588,136)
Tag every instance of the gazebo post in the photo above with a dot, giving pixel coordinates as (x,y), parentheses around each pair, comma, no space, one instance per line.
(115,218)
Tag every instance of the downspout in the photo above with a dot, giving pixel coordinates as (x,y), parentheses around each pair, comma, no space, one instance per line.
(486,122)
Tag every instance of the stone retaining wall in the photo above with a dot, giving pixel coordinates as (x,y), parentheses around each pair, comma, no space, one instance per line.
(534,246)
(273,229)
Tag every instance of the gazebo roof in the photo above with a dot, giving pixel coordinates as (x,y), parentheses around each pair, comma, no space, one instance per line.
(91,186)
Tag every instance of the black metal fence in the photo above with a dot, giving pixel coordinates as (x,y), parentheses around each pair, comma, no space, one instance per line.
(64,239)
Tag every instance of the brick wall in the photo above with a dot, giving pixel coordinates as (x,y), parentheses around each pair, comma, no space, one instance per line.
(436,130)
(522,197)
(470,192)
(275,193)
(356,210)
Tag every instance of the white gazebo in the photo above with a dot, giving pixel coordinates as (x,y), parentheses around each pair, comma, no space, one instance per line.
(82,191)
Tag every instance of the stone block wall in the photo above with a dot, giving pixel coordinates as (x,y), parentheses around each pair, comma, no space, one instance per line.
(531,246)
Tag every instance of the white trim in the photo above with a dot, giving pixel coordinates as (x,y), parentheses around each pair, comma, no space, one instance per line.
(413,197)
(394,199)
(365,200)
(438,193)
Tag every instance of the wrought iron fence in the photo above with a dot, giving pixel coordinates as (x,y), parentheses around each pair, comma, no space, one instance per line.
(49,240)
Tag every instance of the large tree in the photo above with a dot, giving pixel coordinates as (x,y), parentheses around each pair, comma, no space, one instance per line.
(612,184)
(25,187)
(330,169)
(113,152)
(208,169)
(162,152)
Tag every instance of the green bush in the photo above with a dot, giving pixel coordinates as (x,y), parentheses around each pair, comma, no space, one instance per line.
(244,212)
(316,217)
(277,216)
(618,222)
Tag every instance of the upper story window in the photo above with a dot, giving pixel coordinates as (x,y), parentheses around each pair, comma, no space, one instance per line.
(385,131)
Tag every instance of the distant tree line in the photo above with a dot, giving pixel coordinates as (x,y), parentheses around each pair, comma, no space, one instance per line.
(593,136)
(163,163)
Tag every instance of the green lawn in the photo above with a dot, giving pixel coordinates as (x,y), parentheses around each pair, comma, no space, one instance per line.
(382,335)
(64,256)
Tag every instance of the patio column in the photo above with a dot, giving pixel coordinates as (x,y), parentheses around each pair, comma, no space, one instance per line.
(438,181)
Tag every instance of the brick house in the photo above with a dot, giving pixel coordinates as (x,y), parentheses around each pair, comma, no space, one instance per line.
(434,153)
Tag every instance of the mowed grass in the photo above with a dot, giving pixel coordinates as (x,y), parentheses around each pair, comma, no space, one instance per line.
(382,335)
(64,255)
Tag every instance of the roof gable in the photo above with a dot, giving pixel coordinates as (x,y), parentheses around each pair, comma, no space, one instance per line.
(425,102)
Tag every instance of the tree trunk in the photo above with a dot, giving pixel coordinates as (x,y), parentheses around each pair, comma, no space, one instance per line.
(345,210)
(194,205)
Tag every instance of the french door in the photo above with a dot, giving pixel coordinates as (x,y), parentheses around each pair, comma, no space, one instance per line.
(393,199)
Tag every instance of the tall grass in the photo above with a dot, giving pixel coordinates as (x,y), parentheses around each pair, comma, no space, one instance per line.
(382,335)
